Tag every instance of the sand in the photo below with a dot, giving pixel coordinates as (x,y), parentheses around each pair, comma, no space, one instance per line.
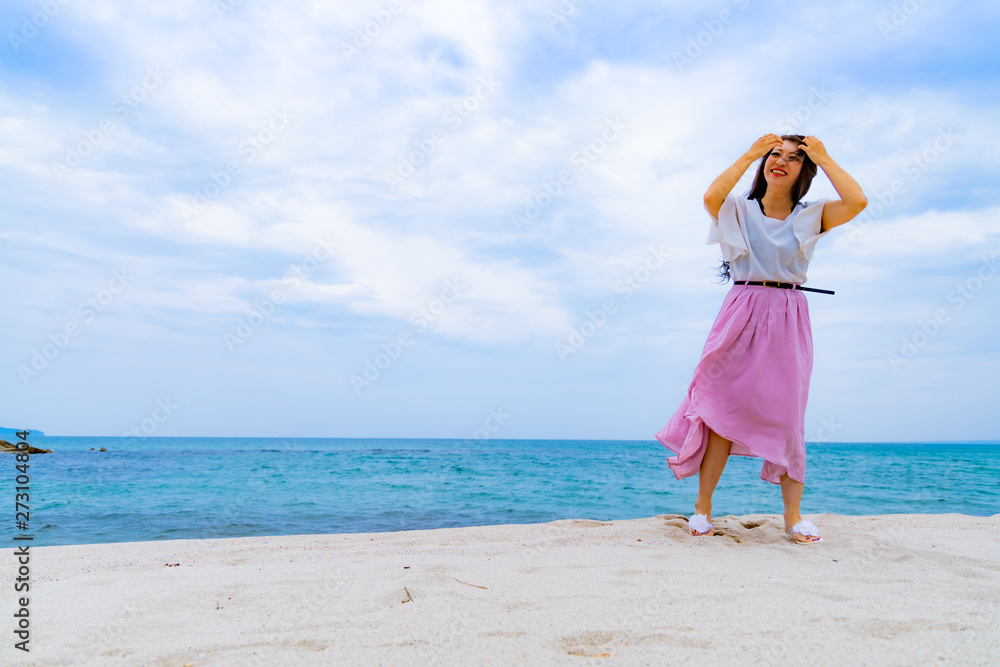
(881,590)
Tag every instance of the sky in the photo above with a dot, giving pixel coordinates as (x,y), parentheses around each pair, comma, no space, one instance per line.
(433,219)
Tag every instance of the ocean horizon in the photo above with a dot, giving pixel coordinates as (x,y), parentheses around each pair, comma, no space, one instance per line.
(159,488)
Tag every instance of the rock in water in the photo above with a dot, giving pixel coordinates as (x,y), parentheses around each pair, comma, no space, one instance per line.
(10,447)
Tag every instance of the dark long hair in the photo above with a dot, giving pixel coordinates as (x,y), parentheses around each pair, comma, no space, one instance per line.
(759,187)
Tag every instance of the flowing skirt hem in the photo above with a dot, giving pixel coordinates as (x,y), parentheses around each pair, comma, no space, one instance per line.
(691,451)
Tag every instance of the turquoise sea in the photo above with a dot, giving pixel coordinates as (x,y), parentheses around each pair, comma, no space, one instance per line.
(192,488)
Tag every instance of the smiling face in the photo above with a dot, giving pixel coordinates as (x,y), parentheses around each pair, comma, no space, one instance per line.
(782,166)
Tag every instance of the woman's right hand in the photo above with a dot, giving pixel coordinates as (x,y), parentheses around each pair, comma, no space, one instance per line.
(727,180)
(765,145)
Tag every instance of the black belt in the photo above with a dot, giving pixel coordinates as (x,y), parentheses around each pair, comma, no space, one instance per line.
(771,283)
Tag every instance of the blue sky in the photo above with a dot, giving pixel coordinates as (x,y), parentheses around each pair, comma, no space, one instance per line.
(220,215)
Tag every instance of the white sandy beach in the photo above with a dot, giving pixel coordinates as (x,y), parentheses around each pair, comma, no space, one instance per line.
(880,590)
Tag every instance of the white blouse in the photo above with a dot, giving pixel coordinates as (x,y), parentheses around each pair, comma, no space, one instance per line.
(762,248)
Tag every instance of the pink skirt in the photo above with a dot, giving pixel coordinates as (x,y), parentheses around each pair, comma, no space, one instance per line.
(751,385)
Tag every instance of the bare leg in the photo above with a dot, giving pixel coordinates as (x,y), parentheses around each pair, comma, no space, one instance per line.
(716,455)
(791,493)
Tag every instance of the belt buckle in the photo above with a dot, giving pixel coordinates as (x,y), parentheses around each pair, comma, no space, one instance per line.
(765,283)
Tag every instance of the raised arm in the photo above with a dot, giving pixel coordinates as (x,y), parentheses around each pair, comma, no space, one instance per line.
(852,199)
(727,180)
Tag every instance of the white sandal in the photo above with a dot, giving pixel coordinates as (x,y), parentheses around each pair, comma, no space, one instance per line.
(807,528)
(699,523)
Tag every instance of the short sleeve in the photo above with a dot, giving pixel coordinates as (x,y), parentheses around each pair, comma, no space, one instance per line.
(727,231)
(807,225)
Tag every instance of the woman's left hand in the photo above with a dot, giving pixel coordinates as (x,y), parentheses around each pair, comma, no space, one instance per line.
(814,148)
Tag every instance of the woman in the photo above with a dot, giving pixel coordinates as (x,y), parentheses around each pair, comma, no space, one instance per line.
(749,392)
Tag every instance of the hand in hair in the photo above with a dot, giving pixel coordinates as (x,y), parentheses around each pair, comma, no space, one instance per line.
(815,149)
(765,145)
(726,181)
